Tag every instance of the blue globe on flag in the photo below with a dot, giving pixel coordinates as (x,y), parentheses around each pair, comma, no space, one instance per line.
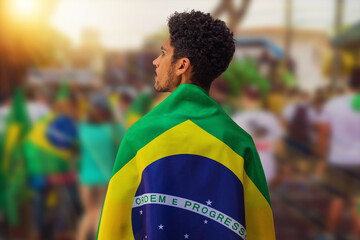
(61,132)
(188,197)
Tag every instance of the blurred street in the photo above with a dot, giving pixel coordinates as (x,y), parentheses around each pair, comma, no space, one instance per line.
(75,75)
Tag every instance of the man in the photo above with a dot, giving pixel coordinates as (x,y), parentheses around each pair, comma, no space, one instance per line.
(186,170)
(339,142)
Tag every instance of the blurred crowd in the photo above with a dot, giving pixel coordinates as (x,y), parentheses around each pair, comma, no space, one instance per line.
(59,141)
(65,107)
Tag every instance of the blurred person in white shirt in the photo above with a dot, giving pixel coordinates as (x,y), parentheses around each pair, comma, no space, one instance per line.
(37,106)
(339,145)
(37,103)
(5,103)
(264,128)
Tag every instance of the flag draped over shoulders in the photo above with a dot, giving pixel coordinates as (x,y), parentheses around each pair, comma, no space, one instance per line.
(187,171)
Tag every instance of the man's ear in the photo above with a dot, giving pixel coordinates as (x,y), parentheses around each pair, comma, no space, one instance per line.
(182,65)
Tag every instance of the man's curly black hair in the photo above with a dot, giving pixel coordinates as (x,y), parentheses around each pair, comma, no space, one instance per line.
(206,42)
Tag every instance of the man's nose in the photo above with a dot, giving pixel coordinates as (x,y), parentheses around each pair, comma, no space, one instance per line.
(156,62)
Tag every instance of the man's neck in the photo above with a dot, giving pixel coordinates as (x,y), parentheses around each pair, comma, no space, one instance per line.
(206,89)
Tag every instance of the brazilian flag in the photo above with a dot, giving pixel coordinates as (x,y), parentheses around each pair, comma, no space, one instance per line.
(49,145)
(13,177)
(187,171)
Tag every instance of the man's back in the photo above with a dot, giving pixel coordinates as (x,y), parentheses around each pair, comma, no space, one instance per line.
(187,170)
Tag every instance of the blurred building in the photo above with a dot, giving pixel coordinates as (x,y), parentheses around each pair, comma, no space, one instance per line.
(349,39)
(88,60)
(83,65)
(91,53)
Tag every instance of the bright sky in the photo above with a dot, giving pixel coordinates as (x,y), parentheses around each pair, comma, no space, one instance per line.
(124,23)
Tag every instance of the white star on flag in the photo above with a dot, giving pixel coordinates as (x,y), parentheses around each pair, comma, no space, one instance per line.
(205,222)
(140,212)
(208,202)
(161,227)
(186,236)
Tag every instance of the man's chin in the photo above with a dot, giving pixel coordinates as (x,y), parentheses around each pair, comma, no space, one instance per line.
(160,89)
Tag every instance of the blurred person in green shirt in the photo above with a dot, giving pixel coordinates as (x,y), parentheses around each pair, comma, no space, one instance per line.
(99,139)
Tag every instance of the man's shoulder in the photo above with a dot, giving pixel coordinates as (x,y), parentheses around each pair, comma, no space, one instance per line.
(219,125)
(229,126)
(177,109)
(149,120)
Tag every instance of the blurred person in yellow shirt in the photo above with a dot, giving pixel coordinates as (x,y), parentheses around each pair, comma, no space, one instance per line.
(276,100)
